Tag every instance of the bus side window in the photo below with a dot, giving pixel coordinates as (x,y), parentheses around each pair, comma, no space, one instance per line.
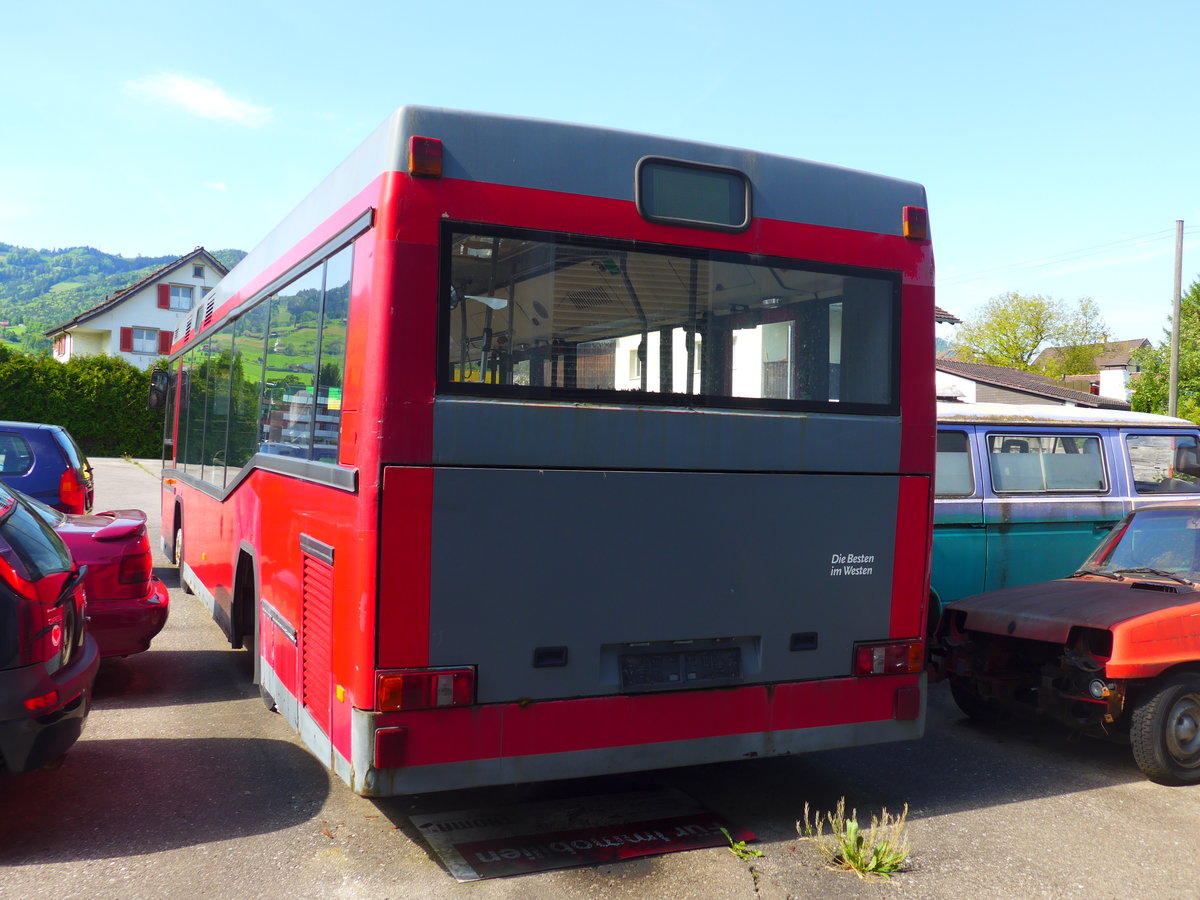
(953,477)
(331,365)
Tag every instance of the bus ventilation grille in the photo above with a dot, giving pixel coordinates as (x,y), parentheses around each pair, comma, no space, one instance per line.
(590,298)
(316,646)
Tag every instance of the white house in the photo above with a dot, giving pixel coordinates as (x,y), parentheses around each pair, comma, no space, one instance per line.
(978,383)
(137,323)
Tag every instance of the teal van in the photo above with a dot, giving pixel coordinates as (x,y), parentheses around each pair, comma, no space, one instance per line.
(1024,493)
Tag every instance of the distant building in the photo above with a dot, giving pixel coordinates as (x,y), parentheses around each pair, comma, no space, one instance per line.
(138,323)
(978,383)
(1112,368)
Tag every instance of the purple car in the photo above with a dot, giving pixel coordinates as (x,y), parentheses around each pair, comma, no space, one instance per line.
(44,462)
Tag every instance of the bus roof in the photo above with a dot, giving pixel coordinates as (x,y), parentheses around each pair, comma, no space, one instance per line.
(574,159)
(599,162)
(1051,414)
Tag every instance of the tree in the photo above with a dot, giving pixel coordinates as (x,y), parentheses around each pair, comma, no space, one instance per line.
(1012,329)
(1151,387)
(1083,339)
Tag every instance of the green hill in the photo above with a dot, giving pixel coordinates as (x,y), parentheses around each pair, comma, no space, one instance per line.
(43,288)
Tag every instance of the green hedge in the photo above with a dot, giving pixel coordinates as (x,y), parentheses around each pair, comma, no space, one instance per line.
(101,400)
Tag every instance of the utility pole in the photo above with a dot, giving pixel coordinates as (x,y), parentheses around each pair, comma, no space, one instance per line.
(1176,303)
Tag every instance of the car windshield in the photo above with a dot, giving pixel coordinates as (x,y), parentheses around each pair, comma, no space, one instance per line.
(1153,542)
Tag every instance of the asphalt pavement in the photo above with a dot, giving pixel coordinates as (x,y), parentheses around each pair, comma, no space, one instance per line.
(185,786)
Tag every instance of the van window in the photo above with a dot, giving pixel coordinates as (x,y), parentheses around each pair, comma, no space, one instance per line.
(953,476)
(1046,463)
(1153,458)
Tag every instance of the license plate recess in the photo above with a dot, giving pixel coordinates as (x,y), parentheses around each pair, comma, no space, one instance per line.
(656,670)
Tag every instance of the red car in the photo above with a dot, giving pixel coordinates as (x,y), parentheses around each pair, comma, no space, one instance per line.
(47,660)
(1114,650)
(127,604)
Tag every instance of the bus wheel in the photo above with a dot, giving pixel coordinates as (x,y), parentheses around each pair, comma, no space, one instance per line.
(177,552)
(1165,731)
(966,695)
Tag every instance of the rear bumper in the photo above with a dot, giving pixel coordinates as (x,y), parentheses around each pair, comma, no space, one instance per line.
(509,743)
(29,740)
(122,627)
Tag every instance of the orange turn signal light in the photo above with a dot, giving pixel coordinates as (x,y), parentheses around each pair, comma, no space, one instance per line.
(916,223)
(425,157)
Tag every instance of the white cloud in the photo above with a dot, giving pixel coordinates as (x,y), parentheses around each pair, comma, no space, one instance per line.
(198,96)
(218,186)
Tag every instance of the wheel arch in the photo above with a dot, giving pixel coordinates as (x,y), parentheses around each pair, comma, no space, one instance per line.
(933,615)
(176,528)
(244,611)
(1137,687)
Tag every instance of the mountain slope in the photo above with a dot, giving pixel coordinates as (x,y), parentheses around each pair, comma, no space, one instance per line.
(43,288)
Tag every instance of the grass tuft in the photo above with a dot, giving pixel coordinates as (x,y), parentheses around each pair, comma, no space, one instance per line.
(881,850)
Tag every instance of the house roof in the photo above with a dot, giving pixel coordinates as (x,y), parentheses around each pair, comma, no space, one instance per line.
(118,297)
(940,315)
(1026,383)
(1114,353)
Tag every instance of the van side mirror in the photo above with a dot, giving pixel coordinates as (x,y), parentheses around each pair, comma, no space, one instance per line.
(160,384)
(1187,461)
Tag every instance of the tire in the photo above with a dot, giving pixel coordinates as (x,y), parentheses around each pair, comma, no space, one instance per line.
(1165,731)
(177,550)
(966,695)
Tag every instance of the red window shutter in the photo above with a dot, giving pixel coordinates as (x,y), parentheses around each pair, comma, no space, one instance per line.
(164,296)
(164,342)
(126,340)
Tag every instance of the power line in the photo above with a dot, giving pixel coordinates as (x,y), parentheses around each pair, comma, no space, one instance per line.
(1067,256)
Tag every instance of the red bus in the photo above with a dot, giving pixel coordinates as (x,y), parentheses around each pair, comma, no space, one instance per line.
(523,450)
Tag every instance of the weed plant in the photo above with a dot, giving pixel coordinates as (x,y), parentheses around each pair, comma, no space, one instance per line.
(739,848)
(881,850)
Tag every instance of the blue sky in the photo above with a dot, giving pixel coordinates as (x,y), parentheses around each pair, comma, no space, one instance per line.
(1058,141)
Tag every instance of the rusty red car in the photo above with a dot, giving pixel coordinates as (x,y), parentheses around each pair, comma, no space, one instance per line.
(127,604)
(1113,650)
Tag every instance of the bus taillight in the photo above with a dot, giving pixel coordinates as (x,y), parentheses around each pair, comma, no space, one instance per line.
(426,689)
(895,658)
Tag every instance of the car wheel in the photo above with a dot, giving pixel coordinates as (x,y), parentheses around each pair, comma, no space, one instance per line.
(966,695)
(1165,731)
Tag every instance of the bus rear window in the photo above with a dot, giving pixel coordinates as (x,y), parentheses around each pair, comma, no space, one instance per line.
(546,316)
(681,193)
